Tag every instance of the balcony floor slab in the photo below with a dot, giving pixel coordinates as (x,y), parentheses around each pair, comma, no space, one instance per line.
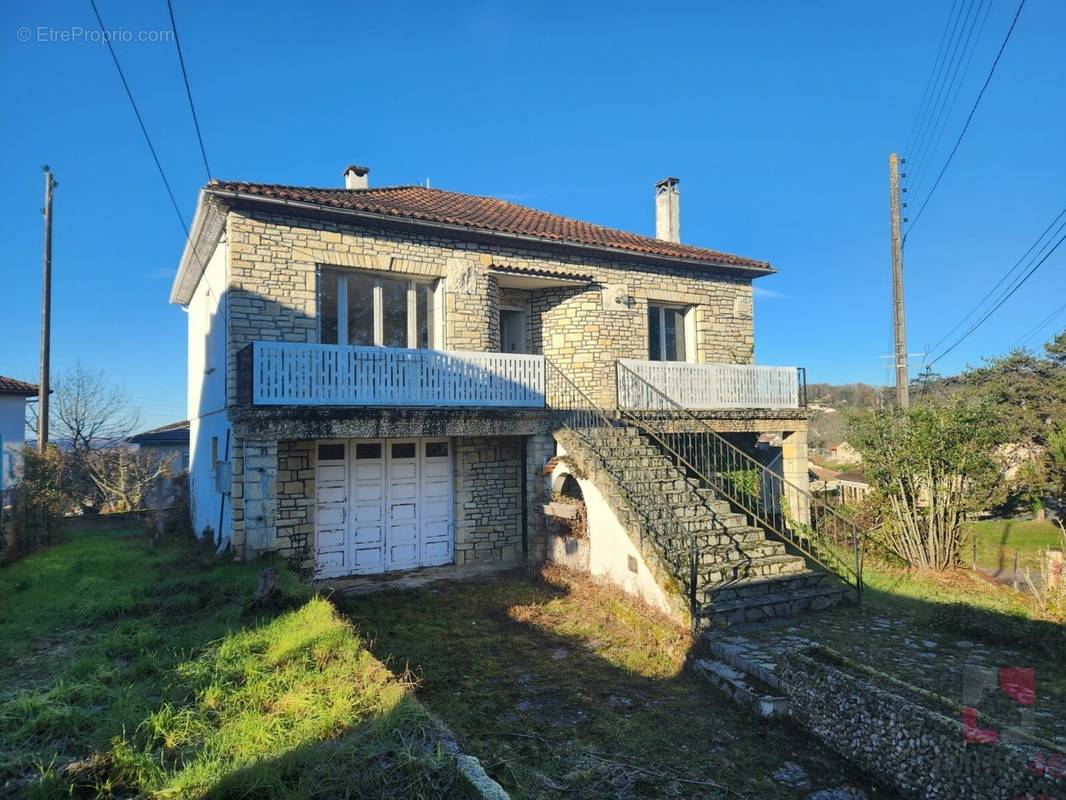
(314,422)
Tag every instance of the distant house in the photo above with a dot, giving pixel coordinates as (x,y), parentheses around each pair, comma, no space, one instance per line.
(823,480)
(844,453)
(853,487)
(13,396)
(167,440)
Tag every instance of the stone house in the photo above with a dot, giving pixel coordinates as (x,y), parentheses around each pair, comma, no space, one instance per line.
(378,376)
(844,453)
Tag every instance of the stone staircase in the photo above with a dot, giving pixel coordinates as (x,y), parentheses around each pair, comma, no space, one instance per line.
(741,574)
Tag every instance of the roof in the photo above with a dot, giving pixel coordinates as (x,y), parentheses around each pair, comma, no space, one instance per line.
(821,473)
(486,214)
(174,433)
(17,387)
(852,477)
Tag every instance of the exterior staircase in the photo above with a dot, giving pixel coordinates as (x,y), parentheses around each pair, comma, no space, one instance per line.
(732,571)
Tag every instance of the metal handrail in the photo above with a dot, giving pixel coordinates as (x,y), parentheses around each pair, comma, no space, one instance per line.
(577,412)
(707,453)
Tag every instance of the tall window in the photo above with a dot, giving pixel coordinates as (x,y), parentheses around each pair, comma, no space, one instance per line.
(365,309)
(668,338)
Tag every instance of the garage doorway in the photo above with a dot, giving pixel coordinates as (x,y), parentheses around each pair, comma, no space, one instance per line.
(382,505)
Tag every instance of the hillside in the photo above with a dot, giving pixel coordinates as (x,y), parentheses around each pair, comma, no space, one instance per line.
(829,405)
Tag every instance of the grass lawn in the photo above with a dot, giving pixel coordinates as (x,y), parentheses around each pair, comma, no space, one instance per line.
(131,671)
(999,539)
(564,689)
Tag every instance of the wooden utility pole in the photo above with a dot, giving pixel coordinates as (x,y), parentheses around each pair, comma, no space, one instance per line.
(46,314)
(899,327)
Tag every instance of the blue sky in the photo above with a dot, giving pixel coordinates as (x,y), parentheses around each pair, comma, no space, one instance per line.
(778,118)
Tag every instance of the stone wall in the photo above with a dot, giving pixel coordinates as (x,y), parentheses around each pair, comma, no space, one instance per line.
(272,284)
(488,499)
(295,517)
(274,498)
(914,746)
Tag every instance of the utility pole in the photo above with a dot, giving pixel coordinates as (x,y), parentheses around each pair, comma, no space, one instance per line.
(899,328)
(46,314)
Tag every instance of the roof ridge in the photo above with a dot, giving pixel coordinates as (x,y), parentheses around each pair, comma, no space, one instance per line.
(490,214)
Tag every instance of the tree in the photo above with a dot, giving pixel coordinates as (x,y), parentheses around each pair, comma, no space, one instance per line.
(91,417)
(126,476)
(1056,348)
(931,464)
(1028,396)
(1056,451)
(88,413)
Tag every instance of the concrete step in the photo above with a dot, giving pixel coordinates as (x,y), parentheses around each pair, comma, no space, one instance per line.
(718,555)
(761,665)
(762,606)
(741,569)
(738,537)
(743,688)
(786,583)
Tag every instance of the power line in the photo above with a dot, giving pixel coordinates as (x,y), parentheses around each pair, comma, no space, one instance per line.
(1025,337)
(188,91)
(964,27)
(932,74)
(1002,300)
(954,89)
(155,156)
(999,283)
(969,119)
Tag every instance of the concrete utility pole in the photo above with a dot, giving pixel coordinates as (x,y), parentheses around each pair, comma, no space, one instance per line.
(899,327)
(46,314)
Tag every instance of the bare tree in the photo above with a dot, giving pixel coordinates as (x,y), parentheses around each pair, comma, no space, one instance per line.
(126,476)
(90,418)
(88,413)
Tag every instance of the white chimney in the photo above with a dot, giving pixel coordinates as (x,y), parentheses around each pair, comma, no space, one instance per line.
(355,177)
(668,210)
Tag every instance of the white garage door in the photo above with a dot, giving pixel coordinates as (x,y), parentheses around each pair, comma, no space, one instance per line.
(383,504)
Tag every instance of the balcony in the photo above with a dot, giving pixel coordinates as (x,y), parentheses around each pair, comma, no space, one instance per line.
(292,374)
(651,385)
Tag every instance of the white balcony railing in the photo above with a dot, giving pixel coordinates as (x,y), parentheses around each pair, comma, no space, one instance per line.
(705,387)
(284,373)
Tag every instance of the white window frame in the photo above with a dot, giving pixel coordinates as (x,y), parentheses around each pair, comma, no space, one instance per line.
(689,316)
(436,334)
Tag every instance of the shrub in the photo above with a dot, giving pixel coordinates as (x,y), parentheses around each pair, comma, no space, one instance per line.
(39,499)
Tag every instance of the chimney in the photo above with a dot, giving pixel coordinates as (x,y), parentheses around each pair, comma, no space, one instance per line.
(668,210)
(355,177)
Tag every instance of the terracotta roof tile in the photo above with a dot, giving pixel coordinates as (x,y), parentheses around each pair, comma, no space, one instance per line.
(484,214)
(14,386)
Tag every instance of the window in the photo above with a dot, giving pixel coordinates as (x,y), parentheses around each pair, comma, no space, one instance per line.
(331,452)
(436,449)
(404,450)
(368,450)
(365,309)
(668,334)
(214,453)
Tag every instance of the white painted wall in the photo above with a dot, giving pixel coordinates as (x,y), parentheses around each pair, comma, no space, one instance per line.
(610,547)
(207,396)
(13,431)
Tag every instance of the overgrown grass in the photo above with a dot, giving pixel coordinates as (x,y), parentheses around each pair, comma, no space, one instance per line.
(128,670)
(998,540)
(565,688)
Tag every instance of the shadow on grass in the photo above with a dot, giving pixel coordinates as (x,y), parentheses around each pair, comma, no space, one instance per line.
(565,689)
(137,670)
